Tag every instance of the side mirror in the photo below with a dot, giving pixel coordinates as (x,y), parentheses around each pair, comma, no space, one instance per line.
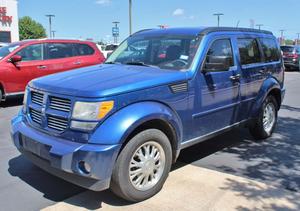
(15,59)
(217,64)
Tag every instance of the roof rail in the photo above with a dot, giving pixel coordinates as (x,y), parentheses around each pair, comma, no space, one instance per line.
(232,29)
(140,31)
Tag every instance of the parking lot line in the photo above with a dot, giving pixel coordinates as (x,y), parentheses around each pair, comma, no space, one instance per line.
(194,188)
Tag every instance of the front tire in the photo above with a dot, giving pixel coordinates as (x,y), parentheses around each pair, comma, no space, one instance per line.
(142,166)
(264,125)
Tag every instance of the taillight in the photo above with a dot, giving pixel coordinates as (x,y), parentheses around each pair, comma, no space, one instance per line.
(295,56)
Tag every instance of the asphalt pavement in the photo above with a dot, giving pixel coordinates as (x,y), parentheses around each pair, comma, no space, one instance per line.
(275,161)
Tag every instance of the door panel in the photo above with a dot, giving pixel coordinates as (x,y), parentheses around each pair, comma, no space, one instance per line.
(217,89)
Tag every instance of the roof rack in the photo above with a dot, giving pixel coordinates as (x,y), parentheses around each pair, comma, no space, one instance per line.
(232,29)
(140,31)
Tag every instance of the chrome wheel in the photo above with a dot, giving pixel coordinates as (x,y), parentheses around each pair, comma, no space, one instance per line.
(269,117)
(147,166)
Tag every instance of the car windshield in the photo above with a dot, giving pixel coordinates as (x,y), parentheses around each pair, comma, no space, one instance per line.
(162,51)
(5,50)
(287,49)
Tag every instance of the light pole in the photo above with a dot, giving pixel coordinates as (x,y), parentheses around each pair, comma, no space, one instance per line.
(298,36)
(130,17)
(116,31)
(50,16)
(218,17)
(53,33)
(259,26)
(281,36)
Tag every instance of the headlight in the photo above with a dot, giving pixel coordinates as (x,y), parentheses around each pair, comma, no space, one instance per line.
(90,111)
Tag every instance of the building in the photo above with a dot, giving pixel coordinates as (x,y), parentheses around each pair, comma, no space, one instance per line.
(9,21)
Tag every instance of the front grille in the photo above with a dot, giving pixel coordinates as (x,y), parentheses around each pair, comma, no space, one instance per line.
(60,104)
(57,123)
(37,98)
(36,116)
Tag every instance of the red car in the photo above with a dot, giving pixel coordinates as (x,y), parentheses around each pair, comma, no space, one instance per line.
(23,61)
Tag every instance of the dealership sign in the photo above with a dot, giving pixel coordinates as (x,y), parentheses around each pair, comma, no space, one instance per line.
(4,18)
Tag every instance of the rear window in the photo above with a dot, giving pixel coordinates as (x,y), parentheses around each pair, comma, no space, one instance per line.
(249,51)
(270,49)
(287,49)
(83,50)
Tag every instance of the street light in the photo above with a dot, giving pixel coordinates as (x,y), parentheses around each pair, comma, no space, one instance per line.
(50,16)
(298,36)
(53,33)
(281,36)
(218,16)
(259,26)
(130,17)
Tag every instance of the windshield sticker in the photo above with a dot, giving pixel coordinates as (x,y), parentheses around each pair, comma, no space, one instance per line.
(184,57)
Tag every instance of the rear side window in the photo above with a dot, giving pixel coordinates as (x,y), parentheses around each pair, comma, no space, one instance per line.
(219,56)
(270,49)
(59,50)
(249,51)
(83,49)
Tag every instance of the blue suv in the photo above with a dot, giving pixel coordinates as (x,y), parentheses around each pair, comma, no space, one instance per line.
(121,124)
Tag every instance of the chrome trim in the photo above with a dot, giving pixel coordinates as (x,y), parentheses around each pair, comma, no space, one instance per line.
(13,94)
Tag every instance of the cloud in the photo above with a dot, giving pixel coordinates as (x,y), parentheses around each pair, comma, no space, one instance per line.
(103,2)
(178,12)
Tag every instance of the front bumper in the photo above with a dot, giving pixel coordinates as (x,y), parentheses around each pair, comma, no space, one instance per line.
(62,157)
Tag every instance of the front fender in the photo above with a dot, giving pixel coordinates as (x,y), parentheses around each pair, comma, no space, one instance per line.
(121,124)
(267,86)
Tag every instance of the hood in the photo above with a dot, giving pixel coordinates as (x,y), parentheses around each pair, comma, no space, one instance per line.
(106,80)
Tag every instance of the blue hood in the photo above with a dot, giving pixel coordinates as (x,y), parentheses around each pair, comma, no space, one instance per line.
(106,80)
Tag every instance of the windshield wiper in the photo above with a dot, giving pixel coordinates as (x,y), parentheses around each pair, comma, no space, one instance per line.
(140,64)
(112,63)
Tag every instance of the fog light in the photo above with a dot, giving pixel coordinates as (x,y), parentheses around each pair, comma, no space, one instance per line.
(84,167)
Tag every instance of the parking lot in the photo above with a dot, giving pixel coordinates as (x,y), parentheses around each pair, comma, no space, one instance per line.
(275,162)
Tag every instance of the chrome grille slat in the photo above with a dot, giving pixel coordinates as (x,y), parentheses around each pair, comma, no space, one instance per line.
(60,104)
(37,98)
(36,116)
(57,123)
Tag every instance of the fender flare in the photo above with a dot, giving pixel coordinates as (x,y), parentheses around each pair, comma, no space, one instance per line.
(116,128)
(267,86)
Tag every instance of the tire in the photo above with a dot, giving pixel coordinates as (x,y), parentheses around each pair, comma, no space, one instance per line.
(1,96)
(122,184)
(258,130)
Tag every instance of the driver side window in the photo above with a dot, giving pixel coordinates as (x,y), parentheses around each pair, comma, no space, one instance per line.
(219,56)
(32,53)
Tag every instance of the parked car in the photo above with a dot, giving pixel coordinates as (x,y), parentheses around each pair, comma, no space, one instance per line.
(122,124)
(108,49)
(291,56)
(23,61)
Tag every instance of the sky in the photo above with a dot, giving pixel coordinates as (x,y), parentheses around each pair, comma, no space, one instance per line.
(93,18)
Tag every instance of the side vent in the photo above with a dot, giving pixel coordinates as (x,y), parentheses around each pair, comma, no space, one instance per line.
(176,88)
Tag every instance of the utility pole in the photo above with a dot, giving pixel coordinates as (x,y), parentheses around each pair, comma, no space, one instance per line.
(218,17)
(50,16)
(259,26)
(281,36)
(298,36)
(115,31)
(130,17)
(53,33)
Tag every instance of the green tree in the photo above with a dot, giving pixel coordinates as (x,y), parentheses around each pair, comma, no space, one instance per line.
(30,29)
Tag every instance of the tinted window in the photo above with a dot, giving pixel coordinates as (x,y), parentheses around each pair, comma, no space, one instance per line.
(287,49)
(32,52)
(219,57)
(59,50)
(110,47)
(270,49)
(83,49)
(249,51)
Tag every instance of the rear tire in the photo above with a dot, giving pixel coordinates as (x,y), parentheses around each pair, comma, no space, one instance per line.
(150,154)
(1,96)
(264,125)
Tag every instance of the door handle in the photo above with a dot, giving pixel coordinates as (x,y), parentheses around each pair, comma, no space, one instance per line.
(41,67)
(235,77)
(77,63)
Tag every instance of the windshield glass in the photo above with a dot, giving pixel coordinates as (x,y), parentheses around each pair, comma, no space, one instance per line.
(4,51)
(163,51)
(287,49)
